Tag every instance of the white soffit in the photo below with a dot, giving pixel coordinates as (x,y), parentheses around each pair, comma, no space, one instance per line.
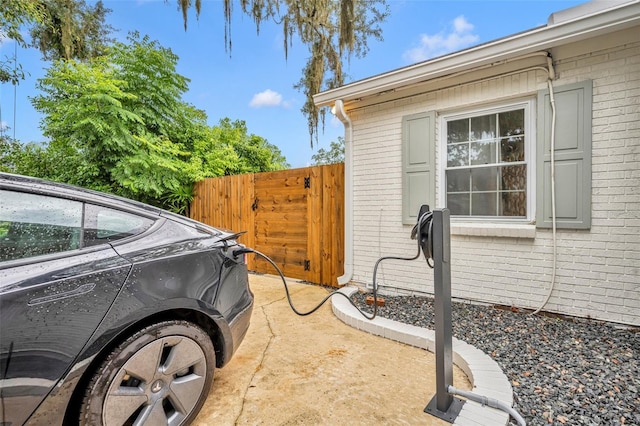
(571,25)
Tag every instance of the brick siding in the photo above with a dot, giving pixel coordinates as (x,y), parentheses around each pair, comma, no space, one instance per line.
(598,270)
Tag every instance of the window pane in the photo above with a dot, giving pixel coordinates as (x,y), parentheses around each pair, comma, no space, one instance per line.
(103,225)
(512,149)
(458,204)
(458,180)
(513,204)
(483,152)
(484,179)
(484,204)
(511,123)
(33,225)
(486,170)
(458,131)
(483,127)
(458,155)
(513,178)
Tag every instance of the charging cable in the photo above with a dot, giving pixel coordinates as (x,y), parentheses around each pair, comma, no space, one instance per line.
(424,241)
(422,232)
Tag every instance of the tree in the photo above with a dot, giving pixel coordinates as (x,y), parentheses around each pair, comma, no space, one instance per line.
(118,114)
(59,29)
(333,31)
(8,148)
(13,15)
(33,159)
(118,124)
(71,30)
(252,153)
(334,155)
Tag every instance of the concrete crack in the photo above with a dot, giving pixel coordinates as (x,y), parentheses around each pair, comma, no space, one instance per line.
(259,367)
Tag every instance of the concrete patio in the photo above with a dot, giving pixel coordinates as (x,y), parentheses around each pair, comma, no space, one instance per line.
(293,370)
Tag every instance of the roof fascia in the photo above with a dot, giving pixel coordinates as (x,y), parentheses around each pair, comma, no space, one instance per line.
(537,39)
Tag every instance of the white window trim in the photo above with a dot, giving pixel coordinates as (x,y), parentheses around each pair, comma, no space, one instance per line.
(529,106)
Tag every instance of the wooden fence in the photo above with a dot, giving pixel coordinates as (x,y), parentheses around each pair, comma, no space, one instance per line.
(296,217)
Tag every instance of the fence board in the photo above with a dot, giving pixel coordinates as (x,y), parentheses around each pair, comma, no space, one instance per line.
(296,217)
(314,241)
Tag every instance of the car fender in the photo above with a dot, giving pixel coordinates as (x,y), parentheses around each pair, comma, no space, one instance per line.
(60,402)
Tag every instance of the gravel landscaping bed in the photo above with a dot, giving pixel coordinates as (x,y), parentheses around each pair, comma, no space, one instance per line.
(562,370)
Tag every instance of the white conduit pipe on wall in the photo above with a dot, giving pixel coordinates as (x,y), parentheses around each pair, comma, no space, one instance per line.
(553,187)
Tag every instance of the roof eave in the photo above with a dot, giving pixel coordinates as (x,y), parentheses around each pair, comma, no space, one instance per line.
(537,39)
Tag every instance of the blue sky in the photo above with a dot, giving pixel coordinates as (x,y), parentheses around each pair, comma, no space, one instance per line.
(255,83)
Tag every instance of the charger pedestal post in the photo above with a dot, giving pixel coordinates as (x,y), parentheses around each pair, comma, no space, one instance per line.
(442,405)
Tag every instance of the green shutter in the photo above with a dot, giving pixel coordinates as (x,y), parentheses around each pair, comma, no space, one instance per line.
(418,164)
(572,157)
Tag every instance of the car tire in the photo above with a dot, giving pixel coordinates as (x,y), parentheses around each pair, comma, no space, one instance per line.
(162,374)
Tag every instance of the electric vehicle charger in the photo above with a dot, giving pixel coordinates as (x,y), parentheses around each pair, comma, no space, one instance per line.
(421,232)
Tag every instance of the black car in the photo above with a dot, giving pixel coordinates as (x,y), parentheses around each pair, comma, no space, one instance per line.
(111,311)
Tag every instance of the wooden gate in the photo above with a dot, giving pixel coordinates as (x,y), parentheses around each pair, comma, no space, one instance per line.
(281,207)
(296,217)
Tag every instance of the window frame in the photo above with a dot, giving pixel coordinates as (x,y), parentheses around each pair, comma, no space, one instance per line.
(529,106)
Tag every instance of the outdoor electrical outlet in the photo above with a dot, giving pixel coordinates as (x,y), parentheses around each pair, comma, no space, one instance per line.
(370,300)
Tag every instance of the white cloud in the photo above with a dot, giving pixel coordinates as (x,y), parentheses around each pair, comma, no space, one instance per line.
(459,36)
(461,25)
(268,98)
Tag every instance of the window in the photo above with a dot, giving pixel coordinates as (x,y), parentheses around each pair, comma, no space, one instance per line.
(103,225)
(488,162)
(32,225)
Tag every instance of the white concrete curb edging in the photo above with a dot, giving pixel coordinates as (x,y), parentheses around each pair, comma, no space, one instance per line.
(485,375)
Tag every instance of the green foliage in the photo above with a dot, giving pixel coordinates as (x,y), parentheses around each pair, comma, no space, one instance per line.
(103,111)
(60,29)
(179,200)
(247,153)
(13,15)
(332,30)
(334,155)
(4,229)
(16,13)
(83,112)
(36,160)
(7,153)
(70,29)
(118,124)
(150,72)
(115,115)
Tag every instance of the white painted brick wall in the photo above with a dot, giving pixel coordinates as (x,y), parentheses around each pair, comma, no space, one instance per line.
(598,270)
